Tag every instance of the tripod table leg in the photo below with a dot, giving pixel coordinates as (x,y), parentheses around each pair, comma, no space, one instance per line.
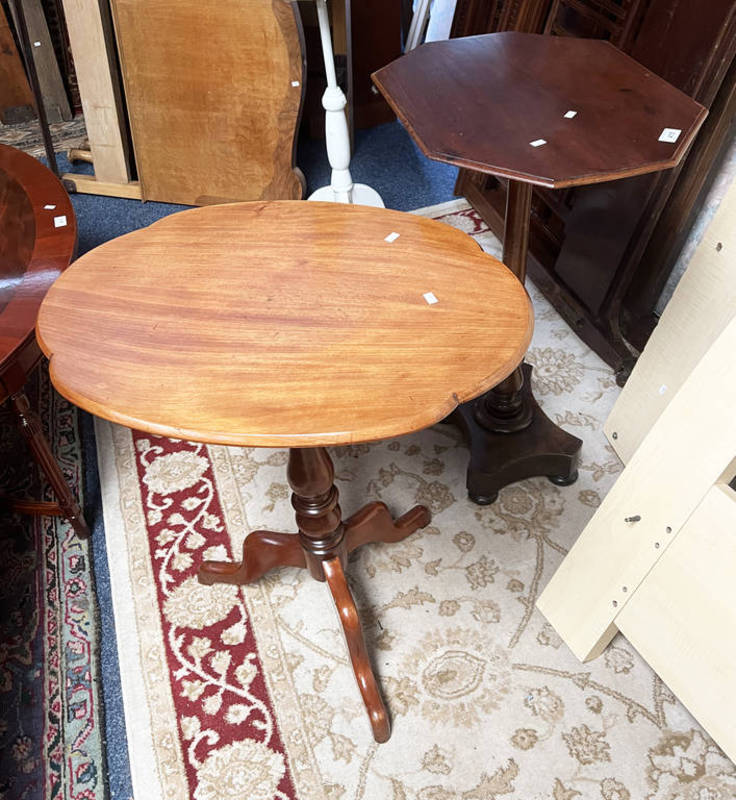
(356,646)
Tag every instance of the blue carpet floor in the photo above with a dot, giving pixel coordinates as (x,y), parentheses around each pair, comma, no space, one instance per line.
(386,159)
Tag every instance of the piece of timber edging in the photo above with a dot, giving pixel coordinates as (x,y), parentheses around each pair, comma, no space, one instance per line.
(683,455)
(702,305)
(88,184)
(682,618)
(91,41)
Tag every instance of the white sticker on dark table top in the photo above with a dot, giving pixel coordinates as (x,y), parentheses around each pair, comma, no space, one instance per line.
(538,142)
(670,135)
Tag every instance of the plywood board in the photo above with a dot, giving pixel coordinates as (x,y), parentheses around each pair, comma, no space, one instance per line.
(214,94)
(685,453)
(94,62)
(703,304)
(682,619)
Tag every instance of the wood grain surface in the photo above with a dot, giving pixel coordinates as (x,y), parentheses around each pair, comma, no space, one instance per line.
(211,97)
(480,101)
(283,324)
(16,100)
(95,64)
(33,250)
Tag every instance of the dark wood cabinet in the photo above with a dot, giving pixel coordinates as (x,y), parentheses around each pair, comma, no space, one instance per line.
(602,254)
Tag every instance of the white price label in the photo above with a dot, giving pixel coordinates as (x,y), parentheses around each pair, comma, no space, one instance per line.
(670,135)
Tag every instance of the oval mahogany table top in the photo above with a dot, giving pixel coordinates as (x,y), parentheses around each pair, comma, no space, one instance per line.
(33,248)
(283,324)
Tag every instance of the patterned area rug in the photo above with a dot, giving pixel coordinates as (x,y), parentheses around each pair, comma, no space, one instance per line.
(248,693)
(26,136)
(50,734)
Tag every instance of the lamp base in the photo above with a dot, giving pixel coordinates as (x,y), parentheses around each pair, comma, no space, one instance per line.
(362,196)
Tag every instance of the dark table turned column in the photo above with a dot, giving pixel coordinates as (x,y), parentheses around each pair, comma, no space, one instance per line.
(536,110)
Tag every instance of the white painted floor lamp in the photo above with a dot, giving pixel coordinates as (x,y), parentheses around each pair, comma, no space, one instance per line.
(341,189)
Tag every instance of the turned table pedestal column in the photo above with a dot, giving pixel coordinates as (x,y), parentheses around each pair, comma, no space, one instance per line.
(534,110)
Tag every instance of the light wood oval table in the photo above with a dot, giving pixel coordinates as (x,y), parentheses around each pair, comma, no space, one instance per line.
(289,324)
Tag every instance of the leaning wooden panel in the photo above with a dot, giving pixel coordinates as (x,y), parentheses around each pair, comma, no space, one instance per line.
(94,62)
(214,95)
(682,619)
(683,455)
(703,304)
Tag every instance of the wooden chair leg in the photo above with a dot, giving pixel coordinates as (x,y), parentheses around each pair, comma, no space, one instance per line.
(30,425)
(262,551)
(356,646)
(374,523)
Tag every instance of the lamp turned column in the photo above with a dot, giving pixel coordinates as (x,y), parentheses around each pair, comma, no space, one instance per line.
(341,189)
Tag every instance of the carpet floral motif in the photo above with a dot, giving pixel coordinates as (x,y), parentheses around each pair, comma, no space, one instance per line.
(50,727)
(487,702)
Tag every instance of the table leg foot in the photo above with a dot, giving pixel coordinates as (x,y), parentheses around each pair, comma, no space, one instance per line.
(262,551)
(499,458)
(364,675)
(30,425)
(374,523)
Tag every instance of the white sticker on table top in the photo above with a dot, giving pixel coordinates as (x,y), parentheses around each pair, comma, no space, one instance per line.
(670,135)
(430,298)
(37,44)
(538,142)
(49,207)
(295,83)
(60,222)
(570,114)
(392,237)
(663,388)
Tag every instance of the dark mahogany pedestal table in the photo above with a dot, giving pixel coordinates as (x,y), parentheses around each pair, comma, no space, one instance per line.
(38,237)
(288,324)
(549,111)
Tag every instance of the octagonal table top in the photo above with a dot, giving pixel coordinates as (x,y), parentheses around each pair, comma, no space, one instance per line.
(283,324)
(549,110)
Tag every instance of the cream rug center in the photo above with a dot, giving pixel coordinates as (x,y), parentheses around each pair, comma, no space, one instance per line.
(248,692)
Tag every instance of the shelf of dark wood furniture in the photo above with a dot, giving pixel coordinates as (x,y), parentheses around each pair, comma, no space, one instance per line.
(611,296)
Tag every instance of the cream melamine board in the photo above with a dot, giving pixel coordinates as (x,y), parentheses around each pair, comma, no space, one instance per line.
(683,455)
(703,304)
(682,619)
(92,47)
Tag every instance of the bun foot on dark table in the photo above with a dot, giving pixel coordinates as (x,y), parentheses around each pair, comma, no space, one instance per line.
(498,459)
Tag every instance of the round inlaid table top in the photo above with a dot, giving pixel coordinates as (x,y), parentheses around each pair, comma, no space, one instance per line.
(283,324)
(38,234)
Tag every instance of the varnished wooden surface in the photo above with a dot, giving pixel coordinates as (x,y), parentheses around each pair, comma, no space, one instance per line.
(283,324)
(479,102)
(211,97)
(33,252)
